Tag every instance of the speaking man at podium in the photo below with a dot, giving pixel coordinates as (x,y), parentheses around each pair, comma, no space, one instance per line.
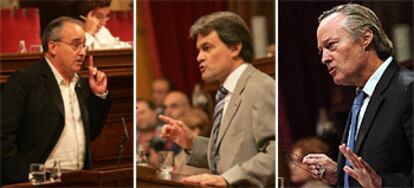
(377,145)
(48,112)
(241,148)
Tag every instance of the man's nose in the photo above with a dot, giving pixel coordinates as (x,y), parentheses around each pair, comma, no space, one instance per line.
(326,57)
(200,57)
(82,51)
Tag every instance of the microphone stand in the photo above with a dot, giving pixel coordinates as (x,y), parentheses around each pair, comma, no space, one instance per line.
(122,141)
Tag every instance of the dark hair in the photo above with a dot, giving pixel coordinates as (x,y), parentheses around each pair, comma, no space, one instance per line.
(53,30)
(84,6)
(151,105)
(359,19)
(230,28)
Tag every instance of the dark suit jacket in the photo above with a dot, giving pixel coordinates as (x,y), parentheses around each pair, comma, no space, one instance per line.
(385,139)
(32,119)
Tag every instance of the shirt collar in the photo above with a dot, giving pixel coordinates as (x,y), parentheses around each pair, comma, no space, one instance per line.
(58,76)
(374,79)
(231,80)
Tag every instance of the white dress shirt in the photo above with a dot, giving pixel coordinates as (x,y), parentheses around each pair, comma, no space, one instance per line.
(70,147)
(103,39)
(369,89)
(230,84)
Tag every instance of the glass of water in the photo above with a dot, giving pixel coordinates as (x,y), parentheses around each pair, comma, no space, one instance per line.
(166,164)
(54,172)
(141,157)
(37,174)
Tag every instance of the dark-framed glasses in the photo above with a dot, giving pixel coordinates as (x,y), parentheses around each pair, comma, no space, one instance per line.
(75,44)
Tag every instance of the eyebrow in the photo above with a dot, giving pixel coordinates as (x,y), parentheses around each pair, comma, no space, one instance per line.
(202,45)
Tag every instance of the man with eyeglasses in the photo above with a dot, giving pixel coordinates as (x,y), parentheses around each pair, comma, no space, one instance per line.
(48,112)
(96,13)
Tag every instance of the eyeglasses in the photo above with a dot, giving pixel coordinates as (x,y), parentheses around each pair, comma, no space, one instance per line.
(75,45)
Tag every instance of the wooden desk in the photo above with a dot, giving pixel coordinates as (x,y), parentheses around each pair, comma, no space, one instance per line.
(118,65)
(110,176)
(147,177)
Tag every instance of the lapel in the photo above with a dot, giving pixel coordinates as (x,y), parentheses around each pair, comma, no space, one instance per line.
(374,104)
(235,101)
(82,93)
(51,85)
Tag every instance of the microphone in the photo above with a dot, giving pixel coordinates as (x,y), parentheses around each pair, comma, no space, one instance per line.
(122,141)
(125,129)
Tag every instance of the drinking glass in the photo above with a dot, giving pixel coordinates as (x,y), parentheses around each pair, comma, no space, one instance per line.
(36,49)
(54,172)
(141,157)
(166,164)
(37,174)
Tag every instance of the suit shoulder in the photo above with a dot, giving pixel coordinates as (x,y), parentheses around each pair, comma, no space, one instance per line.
(260,78)
(405,77)
(25,76)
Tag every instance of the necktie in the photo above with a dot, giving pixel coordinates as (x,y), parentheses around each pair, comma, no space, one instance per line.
(218,113)
(356,107)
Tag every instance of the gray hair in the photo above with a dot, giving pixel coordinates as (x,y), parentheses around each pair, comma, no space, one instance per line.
(360,19)
(230,28)
(53,30)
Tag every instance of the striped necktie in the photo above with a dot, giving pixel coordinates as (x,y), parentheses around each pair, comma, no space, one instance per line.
(356,107)
(218,113)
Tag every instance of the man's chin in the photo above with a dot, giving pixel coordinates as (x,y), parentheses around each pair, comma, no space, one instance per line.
(207,78)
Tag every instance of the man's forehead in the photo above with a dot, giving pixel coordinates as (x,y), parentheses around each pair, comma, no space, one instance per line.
(329,26)
(73,31)
(142,105)
(334,19)
(210,37)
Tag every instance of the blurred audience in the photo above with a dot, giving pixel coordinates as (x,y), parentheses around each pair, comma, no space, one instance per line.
(199,123)
(299,175)
(176,103)
(148,132)
(96,13)
(159,90)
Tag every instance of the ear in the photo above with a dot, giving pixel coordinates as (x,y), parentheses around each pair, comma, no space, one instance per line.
(52,47)
(236,49)
(367,38)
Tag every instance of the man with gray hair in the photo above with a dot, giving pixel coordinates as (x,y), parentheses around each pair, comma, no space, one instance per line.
(48,112)
(377,145)
(241,148)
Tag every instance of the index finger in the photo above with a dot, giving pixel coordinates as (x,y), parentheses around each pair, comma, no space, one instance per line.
(166,119)
(90,62)
(314,159)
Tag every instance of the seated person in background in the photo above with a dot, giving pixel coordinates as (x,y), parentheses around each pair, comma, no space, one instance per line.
(198,121)
(95,13)
(49,112)
(148,131)
(299,175)
(159,90)
(199,124)
(176,103)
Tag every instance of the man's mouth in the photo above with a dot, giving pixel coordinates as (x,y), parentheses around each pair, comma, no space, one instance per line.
(202,69)
(332,70)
